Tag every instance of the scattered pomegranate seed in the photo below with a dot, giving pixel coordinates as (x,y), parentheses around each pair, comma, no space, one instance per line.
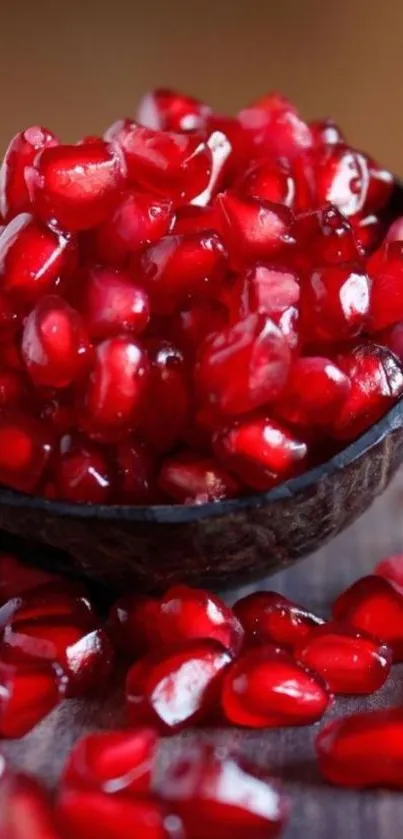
(24,805)
(350,661)
(113,817)
(326,238)
(189,478)
(254,230)
(218,795)
(275,127)
(386,294)
(172,690)
(168,110)
(138,220)
(21,152)
(335,304)
(270,618)
(28,692)
(133,624)
(392,569)
(326,133)
(267,688)
(112,762)
(373,605)
(112,304)
(270,182)
(315,392)
(363,750)
(81,472)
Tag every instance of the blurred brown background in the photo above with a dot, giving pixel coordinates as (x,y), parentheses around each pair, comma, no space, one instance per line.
(76,66)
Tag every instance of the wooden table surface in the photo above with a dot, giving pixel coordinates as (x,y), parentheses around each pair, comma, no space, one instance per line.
(318,811)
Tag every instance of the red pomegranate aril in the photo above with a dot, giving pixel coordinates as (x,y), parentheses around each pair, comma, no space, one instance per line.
(373,605)
(194,219)
(55,347)
(326,133)
(221,796)
(168,110)
(48,599)
(21,153)
(135,479)
(363,750)
(391,568)
(24,805)
(9,320)
(17,577)
(192,478)
(167,409)
(335,303)
(325,237)
(267,688)
(179,267)
(269,181)
(175,689)
(189,327)
(111,304)
(254,230)
(32,258)
(29,691)
(81,473)
(166,163)
(138,220)
(25,447)
(275,128)
(79,812)
(260,451)
(376,378)
(350,661)
(243,366)
(351,181)
(14,387)
(315,391)
(76,187)
(264,289)
(269,618)
(186,613)
(133,625)
(113,762)
(387,284)
(112,400)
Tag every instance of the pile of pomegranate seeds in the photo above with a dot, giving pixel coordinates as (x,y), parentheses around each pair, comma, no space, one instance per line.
(194,306)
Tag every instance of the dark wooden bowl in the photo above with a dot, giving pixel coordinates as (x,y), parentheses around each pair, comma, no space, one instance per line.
(221,544)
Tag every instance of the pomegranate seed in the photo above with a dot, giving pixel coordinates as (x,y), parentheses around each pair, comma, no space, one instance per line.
(48,599)
(138,220)
(218,795)
(161,427)
(191,326)
(113,817)
(316,389)
(32,258)
(363,750)
(392,569)
(326,133)
(351,181)
(190,478)
(136,474)
(59,413)
(55,347)
(178,267)
(275,128)
(29,691)
(386,295)
(194,219)
(168,110)
(254,230)
(376,379)
(350,661)
(260,451)
(13,387)
(112,304)
(76,187)
(173,690)
(132,625)
(335,303)
(9,320)
(165,162)
(112,762)
(24,806)
(17,577)
(268,617)
(116,388)
(263,289)
(270,182)
(186,613)
(81,473)
(21,153)
(25,447)
(267,688)
(373,605)
(244,366)
(325,237)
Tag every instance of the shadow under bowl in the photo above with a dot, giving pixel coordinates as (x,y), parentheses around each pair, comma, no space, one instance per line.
(220,544)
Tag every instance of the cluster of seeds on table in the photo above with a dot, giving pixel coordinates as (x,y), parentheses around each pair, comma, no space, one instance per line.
(193,306)
(188,659)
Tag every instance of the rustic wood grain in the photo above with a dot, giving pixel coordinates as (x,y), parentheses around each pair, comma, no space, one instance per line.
(318,811)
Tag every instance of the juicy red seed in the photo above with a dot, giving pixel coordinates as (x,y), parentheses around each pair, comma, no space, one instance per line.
(254,230)
(21,153)
(28,692)
(190,478)
(363,750)
(194,219)
(169,386)
(168,110)
(189,327)
(133,625)
(220,796)
(13,387)
(275,127)
(113,816)
(267,688)
(177,267)
(49,598)
(325,237)
(315,391)
(335,303)
(350,661)
(392,569)
(326,133)
(270,182)
(111,304)
(17,577)
(135,481)
(373,605)
(55,347)
(113,396)
(186,613)
(386,295)
(260,451)
(76,186)
(112,762)
(376,379)
(351,181)
(80,473)
(263,289)
(268,617)
(244,366)
(174,689)
(25,447)
(138,220)
(23,803)
(165,162)
(9,320)
(32,258)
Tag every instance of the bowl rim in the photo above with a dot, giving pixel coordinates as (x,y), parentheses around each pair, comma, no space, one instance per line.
(185,514)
